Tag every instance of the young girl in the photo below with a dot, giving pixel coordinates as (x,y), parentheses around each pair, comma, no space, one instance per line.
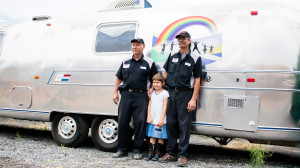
(156,128)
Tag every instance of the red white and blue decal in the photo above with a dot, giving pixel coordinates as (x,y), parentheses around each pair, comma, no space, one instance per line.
(62,77)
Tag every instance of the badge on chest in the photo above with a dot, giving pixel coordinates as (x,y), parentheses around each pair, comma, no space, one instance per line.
(126,65)
(187,64)
(175,60)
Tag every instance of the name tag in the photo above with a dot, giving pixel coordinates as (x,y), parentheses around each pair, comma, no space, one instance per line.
(175,60)
(126,65)
(142,67)
(187,64)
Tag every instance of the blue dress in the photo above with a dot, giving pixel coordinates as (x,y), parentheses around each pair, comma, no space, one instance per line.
(156,131)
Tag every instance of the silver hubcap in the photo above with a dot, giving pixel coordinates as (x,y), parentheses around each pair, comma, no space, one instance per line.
(108,131)
(67,127)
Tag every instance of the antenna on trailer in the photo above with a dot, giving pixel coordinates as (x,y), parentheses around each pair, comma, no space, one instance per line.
(37,18)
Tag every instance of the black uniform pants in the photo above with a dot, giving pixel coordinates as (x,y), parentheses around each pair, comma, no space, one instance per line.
(178,122)
(133,104)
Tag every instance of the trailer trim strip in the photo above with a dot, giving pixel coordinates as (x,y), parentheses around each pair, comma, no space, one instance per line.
(279,128)
(20,110)
(262,128)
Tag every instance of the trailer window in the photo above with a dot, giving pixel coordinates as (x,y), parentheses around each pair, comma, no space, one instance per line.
(115,37)
(1,40)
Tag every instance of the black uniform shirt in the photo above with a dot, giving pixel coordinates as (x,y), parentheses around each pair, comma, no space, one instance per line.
(181,73)
(136,74)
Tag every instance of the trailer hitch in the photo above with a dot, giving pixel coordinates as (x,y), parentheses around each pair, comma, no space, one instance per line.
(222,140)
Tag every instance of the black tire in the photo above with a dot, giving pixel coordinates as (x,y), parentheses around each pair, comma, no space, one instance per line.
(69,129)
(105,134)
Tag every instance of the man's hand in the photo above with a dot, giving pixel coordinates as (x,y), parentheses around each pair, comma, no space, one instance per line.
(116,94)
(191,105)
(150,91)
(116,97)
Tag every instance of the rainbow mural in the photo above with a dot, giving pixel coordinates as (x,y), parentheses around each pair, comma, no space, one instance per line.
(209,48)
(169,33)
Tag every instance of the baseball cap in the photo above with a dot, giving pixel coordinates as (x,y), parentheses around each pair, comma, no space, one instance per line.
(183,33)
(140,40)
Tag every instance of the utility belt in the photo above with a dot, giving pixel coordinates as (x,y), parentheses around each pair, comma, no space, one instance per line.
(132,90)
(180,88)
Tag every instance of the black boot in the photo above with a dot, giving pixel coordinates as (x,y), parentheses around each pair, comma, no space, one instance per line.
(150,154)
(158,148)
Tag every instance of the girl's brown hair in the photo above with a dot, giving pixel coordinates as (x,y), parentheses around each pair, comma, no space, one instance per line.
(159,77)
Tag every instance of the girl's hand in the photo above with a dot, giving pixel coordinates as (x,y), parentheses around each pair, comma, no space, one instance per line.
(149,120)
(161,123)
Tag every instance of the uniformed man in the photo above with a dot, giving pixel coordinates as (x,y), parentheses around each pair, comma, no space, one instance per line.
(183,71)
(134,78)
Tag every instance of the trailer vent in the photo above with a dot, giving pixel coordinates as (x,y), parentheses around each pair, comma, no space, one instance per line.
(129,4)
(123,4)
(235,103)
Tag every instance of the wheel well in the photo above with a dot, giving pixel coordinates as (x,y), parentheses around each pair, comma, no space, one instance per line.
(88,117)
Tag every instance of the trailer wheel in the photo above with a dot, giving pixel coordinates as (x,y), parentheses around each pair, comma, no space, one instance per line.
(105,134)
(69,130)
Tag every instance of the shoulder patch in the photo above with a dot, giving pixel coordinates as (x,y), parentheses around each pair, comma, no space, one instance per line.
(173,53)
(195,57)
(148,60)
(126,59)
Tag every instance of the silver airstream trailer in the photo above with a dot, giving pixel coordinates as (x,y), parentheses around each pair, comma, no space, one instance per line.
(62,69)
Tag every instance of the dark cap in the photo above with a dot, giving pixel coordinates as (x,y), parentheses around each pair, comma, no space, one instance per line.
(139,40)
(183,33)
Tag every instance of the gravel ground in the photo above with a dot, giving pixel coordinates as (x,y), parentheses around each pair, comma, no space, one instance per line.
(30,144)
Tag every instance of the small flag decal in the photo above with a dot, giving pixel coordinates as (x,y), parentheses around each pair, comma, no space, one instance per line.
(62,77)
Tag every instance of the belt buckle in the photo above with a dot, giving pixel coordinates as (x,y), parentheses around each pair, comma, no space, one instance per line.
(130,90)
(176,88)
